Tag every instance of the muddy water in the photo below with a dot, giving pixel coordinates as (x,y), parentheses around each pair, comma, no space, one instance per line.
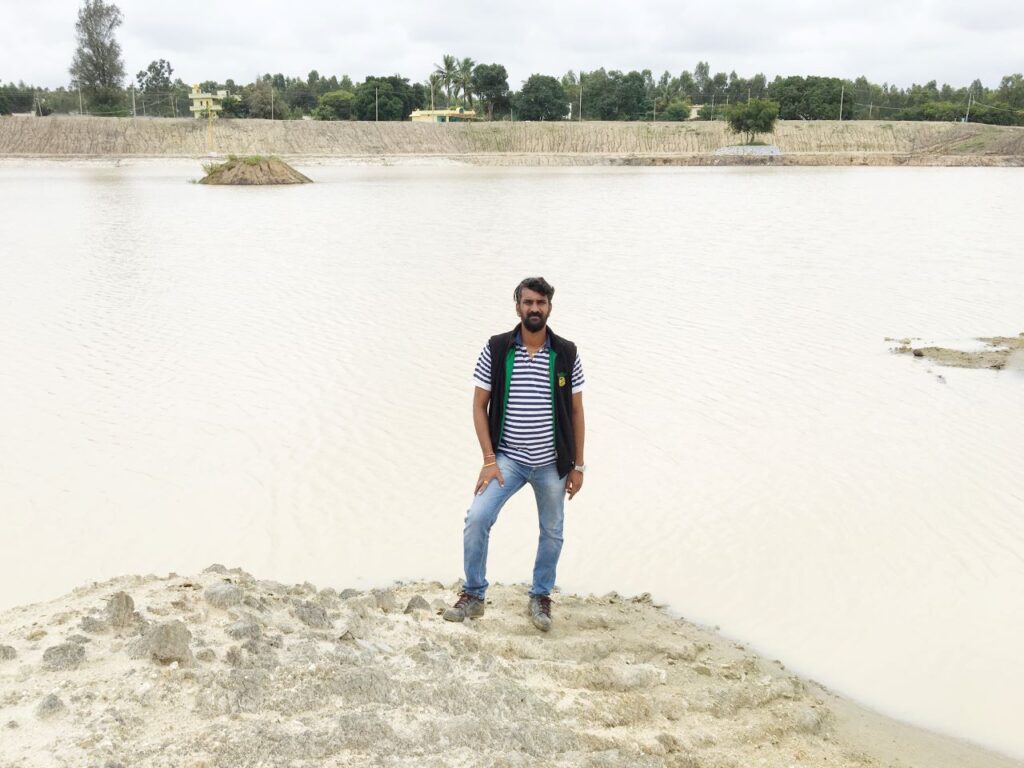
(280,379)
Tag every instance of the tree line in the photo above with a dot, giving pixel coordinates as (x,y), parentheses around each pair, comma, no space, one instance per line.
(98,86)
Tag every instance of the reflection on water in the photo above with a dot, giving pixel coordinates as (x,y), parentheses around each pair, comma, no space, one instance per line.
(280,379)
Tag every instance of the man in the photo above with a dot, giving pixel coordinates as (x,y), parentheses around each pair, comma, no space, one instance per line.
(528,415)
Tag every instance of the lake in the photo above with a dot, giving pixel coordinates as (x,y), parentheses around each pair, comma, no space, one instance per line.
(280,379)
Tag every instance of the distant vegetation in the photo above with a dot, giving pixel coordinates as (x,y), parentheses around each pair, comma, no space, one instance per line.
(97,87)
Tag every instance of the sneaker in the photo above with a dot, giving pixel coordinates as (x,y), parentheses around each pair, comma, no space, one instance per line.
(466,607)
(540,612)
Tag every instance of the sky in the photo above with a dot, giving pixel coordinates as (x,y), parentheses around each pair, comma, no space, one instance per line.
(896,41)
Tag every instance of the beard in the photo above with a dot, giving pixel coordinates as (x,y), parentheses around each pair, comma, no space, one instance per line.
(534,322)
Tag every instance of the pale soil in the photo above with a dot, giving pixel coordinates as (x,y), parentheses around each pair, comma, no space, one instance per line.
(504,143)
(999,352)
(240,171)
(222,669)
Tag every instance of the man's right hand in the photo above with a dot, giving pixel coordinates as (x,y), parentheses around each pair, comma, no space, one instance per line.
(486,475)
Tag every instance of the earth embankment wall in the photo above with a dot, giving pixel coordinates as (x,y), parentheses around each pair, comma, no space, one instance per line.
(828,141)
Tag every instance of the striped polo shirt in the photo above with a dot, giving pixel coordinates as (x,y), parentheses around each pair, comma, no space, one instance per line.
(529,433)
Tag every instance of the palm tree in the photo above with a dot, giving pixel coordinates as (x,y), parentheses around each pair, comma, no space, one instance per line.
(447,70)
(433,83)
(464,77)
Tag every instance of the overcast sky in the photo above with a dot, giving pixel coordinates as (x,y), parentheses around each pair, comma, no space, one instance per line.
(896,41)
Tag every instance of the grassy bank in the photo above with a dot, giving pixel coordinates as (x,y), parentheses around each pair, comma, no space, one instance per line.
(804,143)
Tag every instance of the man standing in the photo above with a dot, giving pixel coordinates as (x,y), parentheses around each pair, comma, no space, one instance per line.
(528,415)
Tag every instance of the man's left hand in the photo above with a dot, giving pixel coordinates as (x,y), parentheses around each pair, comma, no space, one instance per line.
(573,482)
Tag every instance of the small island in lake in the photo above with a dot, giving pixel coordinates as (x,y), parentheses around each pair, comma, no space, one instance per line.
(254,169)
(999,352)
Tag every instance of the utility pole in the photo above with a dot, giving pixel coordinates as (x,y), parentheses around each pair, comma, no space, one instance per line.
(967,117)
(748,93)
(842,94)
(376,106)
(712,105)
(581,95)
(134,113)
(81,109)
(271,102)
(143,104)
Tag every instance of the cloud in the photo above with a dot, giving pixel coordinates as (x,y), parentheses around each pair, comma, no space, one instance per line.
(901,41)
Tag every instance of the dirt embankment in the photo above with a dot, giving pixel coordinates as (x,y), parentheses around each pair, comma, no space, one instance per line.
(564,143)
(223,669)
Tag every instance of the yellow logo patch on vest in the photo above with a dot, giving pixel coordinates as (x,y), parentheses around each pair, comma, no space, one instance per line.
(561,379)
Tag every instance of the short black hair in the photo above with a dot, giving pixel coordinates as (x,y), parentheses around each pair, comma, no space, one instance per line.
(538,284)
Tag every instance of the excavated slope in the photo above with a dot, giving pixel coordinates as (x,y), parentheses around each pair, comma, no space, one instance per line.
(528,143)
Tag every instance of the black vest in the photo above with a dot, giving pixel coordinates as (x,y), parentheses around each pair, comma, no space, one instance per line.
(563,358)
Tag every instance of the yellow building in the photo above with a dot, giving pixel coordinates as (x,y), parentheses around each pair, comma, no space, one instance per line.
(206,104)
(459,115)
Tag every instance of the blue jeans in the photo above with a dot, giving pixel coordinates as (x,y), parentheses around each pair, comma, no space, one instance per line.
(549,490)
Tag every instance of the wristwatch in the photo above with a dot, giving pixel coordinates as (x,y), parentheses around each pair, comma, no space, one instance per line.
(581,468)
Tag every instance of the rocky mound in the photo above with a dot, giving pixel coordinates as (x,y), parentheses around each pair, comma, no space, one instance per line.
(226,670)
(253,170)
(999,352)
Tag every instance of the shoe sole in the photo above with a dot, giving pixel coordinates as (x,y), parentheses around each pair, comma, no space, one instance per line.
(463,618)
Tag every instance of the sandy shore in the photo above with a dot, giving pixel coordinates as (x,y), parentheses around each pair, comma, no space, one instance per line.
(223,669)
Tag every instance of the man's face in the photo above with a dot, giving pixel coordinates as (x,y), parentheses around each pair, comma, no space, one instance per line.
(533,309)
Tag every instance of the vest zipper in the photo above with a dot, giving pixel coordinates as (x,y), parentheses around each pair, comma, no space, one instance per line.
(554,413)
(510,361)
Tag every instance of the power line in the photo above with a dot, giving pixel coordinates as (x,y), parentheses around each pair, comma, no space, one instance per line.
(974,105)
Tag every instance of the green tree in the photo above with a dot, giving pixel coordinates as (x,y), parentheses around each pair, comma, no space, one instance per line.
(434,85)
(464,78)
(375,99)
(819,98)
(687,87)
(97,67)
(261,103)
(490,81)
(702,81)
(1011,90)
(155,77)
(752,117)
(447,71)
(709,112)
(155,88)
(300,96)
(336,105)
(632,95)
(541,98)
(232,106)
(676,110)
